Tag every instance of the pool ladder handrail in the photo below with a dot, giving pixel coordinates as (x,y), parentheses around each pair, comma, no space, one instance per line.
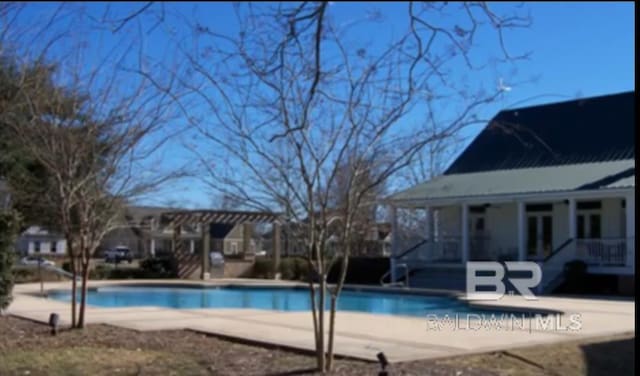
(406,277)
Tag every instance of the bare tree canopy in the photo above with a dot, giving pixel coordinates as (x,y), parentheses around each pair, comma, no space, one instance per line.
(282,104)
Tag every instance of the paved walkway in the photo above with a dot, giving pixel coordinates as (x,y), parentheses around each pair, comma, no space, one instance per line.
(358,335)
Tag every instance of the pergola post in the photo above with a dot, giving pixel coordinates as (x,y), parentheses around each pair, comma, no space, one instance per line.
(394,243)
(277,240)
(175,239)
(152,240)
(206,244)
(246,238)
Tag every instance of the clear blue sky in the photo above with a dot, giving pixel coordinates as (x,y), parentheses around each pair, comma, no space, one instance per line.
(578,50)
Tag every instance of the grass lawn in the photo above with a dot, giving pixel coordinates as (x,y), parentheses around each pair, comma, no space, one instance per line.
(26,348)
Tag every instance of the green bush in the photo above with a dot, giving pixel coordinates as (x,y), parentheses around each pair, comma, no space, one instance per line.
(163,265)
(291,268)
(263,268)
(9,226)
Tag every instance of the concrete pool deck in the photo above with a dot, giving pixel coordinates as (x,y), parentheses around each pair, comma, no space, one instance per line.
(358,335)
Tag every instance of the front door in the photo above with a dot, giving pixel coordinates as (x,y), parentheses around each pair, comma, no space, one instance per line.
(539,236)
(478,236)
(589,225)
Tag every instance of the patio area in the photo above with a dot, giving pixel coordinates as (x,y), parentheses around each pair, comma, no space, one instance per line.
(358,335)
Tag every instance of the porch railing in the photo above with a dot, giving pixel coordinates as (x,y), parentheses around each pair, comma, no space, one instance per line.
(603,252)
(443,250)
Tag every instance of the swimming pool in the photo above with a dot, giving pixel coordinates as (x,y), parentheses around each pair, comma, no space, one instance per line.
(273,298)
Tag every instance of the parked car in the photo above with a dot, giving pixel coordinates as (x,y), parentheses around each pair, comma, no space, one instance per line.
(118,254)
(216,259)
(35,260)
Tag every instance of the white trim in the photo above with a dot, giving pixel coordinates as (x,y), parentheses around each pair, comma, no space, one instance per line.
(509,197)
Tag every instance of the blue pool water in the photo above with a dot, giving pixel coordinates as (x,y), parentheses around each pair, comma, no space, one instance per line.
(278,299)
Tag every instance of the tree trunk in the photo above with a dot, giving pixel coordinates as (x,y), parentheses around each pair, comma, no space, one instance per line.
(83,294)
(332,320)
(314,312)
(334,304)
(74,285)
(74,288)
(320,348)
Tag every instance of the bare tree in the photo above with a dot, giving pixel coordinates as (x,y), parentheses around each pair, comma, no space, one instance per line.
(287,101)
(96,130)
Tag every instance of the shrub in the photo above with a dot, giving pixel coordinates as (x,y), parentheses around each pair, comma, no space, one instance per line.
(9,226)
(575,272)
(160,265)
(263,268)
(291,268)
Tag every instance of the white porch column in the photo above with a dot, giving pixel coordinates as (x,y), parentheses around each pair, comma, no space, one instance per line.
(573,232)
(630,209)
(394,243)
(192,246)
(522,249)
(465,232)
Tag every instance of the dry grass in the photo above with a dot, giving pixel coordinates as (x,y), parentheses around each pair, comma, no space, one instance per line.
(600,356)
(26,348)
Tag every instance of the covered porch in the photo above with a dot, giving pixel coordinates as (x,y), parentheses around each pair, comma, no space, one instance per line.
(495,216)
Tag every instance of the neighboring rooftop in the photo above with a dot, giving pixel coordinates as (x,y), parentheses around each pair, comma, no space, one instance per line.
(596,129)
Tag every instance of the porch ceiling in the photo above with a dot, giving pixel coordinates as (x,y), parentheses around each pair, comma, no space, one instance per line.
(577,177)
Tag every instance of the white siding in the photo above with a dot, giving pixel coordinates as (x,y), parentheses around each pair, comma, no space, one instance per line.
(45,246)
(560,223)
(502,227)
(612,218)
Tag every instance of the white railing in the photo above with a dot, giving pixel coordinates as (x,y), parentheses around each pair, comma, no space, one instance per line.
(445,250)
(553,266)
(602,252)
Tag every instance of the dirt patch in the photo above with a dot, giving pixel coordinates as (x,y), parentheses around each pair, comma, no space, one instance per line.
(27,348)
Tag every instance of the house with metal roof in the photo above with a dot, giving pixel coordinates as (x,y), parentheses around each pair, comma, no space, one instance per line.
(551,183)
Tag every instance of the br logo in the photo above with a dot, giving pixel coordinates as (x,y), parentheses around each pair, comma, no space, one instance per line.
(496,274)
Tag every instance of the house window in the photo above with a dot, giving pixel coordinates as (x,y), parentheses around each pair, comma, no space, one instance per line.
(36,247)
(234,248)
(54,246)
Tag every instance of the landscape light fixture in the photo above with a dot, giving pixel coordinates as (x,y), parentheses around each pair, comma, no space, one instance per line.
(383,364)
(53,323)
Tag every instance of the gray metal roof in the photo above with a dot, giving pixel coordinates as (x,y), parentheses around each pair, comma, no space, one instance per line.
(585,176)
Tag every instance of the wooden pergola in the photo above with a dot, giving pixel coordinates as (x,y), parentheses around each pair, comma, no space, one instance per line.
(205,218)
